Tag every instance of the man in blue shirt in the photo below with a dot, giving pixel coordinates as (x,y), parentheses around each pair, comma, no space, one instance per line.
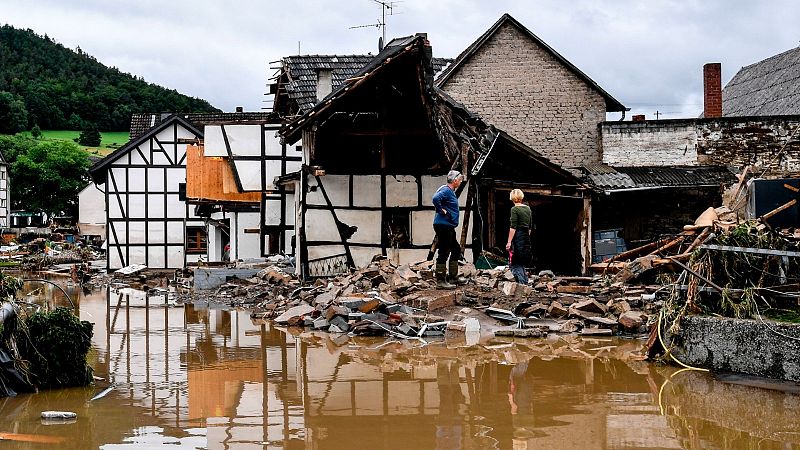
(444,224)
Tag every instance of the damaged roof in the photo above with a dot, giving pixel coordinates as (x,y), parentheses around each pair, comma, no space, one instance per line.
(393,48)
(301,72)
(476,135)
(768,87)
(612,104)
(610,179)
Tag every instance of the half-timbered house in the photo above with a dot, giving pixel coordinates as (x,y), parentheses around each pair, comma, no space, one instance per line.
(147,220)
(377,148)
(232,178)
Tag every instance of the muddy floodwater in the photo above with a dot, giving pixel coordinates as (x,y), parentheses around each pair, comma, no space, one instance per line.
(184,377)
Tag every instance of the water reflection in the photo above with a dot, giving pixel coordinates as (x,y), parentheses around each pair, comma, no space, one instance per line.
(198,377)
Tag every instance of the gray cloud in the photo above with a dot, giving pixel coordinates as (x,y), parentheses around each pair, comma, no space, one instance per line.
(649,55)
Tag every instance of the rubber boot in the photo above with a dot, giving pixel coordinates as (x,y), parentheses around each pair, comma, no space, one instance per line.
(441,277)
(454,277)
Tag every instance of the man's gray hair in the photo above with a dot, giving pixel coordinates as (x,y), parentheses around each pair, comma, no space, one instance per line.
(452,175)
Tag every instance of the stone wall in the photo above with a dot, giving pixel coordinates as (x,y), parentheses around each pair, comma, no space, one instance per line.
(650,143)
(728,141)
(522,89)
(740,346)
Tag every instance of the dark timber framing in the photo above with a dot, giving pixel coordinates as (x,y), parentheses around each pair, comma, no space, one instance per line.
(147,166)
(279,194)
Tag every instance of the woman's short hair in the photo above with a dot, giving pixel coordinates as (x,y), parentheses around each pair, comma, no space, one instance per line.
(516,196)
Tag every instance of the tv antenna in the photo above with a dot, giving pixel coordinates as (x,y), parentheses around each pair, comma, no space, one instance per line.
(386,6)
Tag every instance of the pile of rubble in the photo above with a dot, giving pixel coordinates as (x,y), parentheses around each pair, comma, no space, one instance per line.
(670,252)
(402,301)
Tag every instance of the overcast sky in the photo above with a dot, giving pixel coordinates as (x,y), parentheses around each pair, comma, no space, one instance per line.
(647,54)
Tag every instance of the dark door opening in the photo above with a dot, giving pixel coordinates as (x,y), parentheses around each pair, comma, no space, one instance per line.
(555,236)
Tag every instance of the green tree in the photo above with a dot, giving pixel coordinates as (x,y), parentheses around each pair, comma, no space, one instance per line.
(13,115)
(13,146)
(48,177)
(36,132)
(90,137)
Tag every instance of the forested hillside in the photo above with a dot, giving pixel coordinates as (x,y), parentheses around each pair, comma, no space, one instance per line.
(44,83)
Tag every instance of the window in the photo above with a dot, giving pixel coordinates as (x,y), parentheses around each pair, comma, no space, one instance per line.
(2,203)
(196,240)
(2,174)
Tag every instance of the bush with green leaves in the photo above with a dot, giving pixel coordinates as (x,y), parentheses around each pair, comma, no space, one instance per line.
(56,349)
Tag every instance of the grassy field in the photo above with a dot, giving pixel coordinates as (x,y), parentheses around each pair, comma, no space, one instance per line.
(110,140)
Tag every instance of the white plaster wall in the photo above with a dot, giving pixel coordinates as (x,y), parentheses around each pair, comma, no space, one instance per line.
(247,244)
(368,223)
(406,256)
(156,232)
(320,226)
(136,255)
(336,186)
(136,158)
(119,229)
(155,180)
(168,135)
(272,214)
(155,206)
(213,143)
(272,143)
(136,206)
(157,256)
(92,205)
(136,233)
(117,180)
(113,259)
(175,176)
(367,191)
(401,191)
(249,175)
(362,256)
(136,179)
(158,158)
(322,251)
(175,232)
(273,170)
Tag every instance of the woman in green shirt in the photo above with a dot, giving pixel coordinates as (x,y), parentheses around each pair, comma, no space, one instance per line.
(519,237)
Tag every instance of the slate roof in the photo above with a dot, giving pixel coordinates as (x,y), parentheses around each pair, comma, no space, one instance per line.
(141,123)
(302,73)
(769,87)
(612,104)
(611,179)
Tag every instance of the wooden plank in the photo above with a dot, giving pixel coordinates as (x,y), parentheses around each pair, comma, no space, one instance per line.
(467,214)
(211,178)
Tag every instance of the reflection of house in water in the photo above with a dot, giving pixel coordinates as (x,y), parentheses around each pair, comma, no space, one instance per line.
(249,384)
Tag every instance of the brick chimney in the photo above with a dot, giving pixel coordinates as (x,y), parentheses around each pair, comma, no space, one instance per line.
(712,90)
